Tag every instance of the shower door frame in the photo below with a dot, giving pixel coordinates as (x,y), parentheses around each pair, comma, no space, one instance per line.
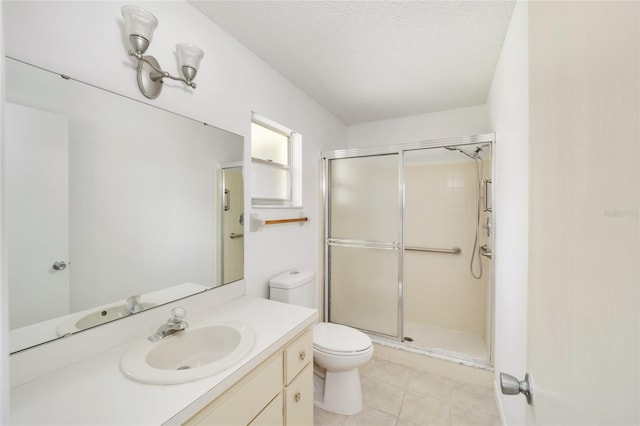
(400,150)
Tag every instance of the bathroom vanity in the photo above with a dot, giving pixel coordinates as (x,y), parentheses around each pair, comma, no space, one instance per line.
(273,384)
(278,392)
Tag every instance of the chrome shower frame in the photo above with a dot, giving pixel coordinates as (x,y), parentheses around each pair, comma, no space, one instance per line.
(400,149)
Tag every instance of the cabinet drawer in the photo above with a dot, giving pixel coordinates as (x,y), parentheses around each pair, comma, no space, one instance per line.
(297,355)
(243,402)
(272,414)
(298,404)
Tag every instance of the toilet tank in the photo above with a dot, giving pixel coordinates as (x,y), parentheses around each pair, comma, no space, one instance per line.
(296,287)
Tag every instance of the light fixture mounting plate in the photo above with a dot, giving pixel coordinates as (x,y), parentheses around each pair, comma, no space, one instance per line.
(150,89)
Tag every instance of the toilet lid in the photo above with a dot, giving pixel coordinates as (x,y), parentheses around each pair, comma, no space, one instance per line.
(339,338)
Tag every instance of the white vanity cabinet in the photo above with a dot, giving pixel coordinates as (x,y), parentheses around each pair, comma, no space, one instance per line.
(277,392)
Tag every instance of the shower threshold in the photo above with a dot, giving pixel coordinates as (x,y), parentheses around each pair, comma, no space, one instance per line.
(450,345)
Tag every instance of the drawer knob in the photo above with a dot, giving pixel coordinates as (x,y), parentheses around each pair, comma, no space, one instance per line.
(297,396)
(303,355)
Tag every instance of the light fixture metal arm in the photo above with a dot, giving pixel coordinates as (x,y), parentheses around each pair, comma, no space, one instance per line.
(158,73)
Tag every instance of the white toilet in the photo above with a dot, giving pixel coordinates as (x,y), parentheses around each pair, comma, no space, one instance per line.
(338,350)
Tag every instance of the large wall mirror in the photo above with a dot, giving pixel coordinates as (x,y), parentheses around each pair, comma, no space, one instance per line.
(112,206)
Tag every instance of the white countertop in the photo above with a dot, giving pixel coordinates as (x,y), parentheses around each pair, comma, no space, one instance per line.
(95,392)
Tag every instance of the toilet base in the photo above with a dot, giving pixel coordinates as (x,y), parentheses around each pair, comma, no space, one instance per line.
(342,393)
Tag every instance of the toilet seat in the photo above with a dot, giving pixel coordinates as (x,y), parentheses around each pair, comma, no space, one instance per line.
(336,339)
(342,354)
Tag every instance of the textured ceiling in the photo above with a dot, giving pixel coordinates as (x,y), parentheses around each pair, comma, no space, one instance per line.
(373,60)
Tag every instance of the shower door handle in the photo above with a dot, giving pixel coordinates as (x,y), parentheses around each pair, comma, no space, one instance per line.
(226,202)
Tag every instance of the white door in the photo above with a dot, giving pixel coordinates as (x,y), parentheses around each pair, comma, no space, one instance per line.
(36,213)
(232,225)
(584,278)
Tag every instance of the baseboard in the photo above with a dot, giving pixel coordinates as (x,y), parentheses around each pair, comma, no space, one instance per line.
(496,391)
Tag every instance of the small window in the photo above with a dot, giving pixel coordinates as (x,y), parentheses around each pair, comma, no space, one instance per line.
(275,169)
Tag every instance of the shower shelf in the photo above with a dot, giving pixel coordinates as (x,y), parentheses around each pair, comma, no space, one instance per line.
(455,250)
(256,223)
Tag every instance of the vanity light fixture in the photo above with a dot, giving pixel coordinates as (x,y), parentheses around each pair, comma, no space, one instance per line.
(140,25)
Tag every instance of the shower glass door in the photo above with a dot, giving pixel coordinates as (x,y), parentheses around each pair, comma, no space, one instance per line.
(363,241)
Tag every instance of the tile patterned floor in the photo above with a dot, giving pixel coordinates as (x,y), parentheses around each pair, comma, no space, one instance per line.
(394,394)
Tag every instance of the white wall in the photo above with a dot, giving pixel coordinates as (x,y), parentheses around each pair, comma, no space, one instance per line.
(416,128)
(232,82)
(509,115)
(4,289)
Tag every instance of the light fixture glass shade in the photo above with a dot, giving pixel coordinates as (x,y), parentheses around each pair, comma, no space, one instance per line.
(139,22)
(189,57)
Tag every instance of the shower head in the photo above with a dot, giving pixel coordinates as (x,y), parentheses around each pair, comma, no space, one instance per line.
(472,155)
(479,148)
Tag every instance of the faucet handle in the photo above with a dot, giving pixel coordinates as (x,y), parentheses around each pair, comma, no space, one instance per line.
(178,314)
(133,304)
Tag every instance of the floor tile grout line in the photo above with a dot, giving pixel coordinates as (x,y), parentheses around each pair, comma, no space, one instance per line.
(404,394)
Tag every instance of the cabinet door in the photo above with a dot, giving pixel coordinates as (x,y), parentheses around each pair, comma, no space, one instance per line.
(272,415)
(298,405)
(297,355)
(240,404)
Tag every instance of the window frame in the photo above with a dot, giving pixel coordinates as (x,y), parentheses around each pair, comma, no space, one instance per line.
(271,202)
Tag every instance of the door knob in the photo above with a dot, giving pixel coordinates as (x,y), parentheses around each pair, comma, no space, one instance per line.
(509,385)
(59,266)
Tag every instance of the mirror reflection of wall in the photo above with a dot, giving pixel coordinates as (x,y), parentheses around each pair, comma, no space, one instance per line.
(121,194)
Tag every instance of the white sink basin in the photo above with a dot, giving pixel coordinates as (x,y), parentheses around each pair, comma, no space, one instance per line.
(100,316)
(198,352)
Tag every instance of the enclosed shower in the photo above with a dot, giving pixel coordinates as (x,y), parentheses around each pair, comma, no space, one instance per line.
(409,238)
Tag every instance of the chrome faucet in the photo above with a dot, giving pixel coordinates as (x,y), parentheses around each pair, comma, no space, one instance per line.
(133,304)
(174,325)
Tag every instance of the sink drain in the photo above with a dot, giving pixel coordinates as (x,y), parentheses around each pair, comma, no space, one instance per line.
(184,367)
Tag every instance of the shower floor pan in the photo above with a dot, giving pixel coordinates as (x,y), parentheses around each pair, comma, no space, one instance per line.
(446,343)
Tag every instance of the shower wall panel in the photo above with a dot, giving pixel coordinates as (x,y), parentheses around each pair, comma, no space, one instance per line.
(440,212)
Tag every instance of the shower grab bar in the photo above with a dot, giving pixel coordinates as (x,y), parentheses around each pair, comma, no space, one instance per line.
(455,250)
(392,245)
(487,207)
